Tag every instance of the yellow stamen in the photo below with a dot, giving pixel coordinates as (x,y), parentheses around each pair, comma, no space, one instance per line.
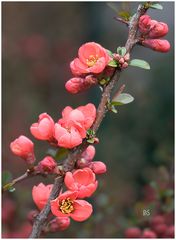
(67,206)
(92,60)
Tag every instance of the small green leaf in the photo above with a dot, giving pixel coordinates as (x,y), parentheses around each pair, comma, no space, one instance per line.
(110,53)
(102,81)
(123,98)
(113,109)
(112,63)
(121,51)
(6,177)
(156,6)
(124,14)
(61,153)
(12,189)
(139,63)
(91,140)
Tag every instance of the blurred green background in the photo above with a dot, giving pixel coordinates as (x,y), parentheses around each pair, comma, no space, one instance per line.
(39,39)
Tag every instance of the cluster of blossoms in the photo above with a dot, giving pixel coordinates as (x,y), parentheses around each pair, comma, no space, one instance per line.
(81,183)
(151,32)
(68,132)
(88,67)
(159,227)
(159,222)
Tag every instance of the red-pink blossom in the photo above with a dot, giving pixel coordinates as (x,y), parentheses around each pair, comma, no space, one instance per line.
(24,148)
(158,29)
(59,224)
(40,194)
(83,181)
(147,233)
(159,45)
(78,84)
(72,127)
(67,205)
(98,167)
(133,232)
(169,232)
(48,164)
(67,137)
(44,129)
(92,58)
(144,24)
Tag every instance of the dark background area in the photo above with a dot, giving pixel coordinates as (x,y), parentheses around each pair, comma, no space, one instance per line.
(39,40)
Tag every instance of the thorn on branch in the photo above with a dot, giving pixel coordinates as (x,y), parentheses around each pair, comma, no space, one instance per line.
(121,20)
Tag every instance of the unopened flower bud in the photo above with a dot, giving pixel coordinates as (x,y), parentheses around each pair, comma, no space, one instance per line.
(89,153)
(78,84)
(158,219)
(160,229)
(158,45)
(116,56)
(125,65)
(59,224)
(86,157)
(127,57)
(147,233)
(48,165)
(133,232)
(24,148)
(96,140)
(159,29)
(121,61)
(169,232)
(144,24)
(98,167)
(44,128)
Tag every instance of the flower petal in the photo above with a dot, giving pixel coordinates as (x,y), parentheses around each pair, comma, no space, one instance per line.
(82,211)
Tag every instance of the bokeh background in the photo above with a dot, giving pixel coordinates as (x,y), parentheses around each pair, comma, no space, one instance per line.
(39,39)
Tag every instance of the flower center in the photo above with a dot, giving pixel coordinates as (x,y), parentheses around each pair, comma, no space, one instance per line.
(66,206)
(92,60)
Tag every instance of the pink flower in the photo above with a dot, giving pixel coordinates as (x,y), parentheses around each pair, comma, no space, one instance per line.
(97,167)
(158,45)
(24,148)
(67,137)
(158,29)
(133,232)
(78,84)
(67,205)
(144,24)
(71,128)
(83,181)
(44,129)
(147,233)
(59,224)
(40,194)
(48,164)
(92,58)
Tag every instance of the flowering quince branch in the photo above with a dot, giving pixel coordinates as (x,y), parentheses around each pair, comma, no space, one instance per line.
(77,128)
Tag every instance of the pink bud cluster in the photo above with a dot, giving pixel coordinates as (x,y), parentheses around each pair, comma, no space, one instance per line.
(91,61)
(122,60)
(151,31)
